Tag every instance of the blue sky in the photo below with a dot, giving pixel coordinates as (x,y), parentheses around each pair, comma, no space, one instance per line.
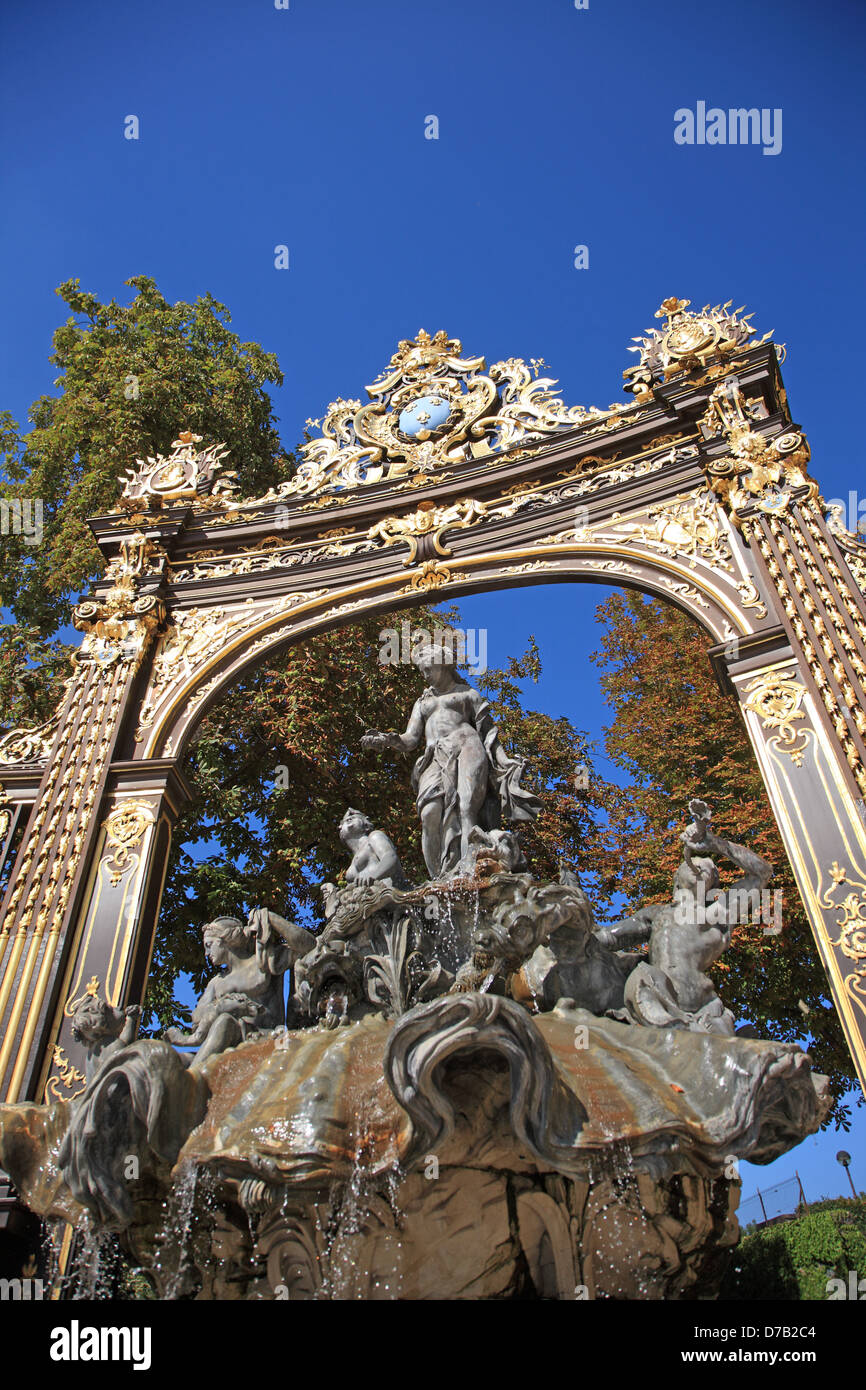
(305,127)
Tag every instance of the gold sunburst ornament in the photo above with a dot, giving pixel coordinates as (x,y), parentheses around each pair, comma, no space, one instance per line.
(688,341)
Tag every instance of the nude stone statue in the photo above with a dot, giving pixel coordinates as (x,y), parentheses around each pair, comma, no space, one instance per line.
(374,858)
(670,988)
(247,994)
(464,778)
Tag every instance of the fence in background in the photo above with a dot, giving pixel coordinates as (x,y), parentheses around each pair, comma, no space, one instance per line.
(769,1203)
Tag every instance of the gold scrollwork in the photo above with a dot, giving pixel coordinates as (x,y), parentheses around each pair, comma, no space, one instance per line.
(851,940)
(427,520)
(431,575)
(687,342)
(187,475)
(531,567)
(66,1076)
(690,529)
(124,827)
(431,520)
(91,988)
(201,645)
(759,471)
(431,408)
(274,552)
(120,622)
(28,745)
(195,635)
(750,598)
(776,700)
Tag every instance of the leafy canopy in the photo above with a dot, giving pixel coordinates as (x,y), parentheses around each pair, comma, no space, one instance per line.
(130,378)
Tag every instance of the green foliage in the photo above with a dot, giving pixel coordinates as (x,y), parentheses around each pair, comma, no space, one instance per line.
(796,1259)
(32,671)
(130,378)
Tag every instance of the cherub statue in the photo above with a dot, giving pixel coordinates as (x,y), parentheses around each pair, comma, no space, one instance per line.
(670,988)
(103,1030)
(464,778)
(374,858)
(247,995)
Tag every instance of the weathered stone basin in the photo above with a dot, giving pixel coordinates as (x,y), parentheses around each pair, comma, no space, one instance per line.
(468,1150)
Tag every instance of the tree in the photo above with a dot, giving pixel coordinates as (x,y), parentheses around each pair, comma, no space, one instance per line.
(677,736)
(278,760)
(131,376)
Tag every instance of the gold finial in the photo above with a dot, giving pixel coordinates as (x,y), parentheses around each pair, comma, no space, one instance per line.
(186,437)
(672,306)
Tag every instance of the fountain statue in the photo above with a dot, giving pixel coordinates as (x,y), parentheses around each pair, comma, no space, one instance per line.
(481,1092)
(374,858)
(249,996)
(669,988)
(464,778)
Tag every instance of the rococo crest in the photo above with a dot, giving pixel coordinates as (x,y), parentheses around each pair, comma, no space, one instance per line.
(432,407)
(187,475)
(431,410)
(688,341)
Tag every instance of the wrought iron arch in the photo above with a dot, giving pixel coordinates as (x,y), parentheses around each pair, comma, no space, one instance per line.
(169,728)
(455,478)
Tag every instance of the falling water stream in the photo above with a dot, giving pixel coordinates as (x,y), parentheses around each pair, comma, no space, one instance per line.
(356,1224)
(190,1196)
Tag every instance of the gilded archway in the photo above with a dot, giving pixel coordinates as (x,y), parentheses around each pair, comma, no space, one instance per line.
(454,478)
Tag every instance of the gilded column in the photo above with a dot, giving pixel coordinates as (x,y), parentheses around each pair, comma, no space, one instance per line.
(804,703)
(51,863)
(111,937)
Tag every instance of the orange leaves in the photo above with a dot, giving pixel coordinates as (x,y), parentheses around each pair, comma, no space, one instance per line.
(676,736)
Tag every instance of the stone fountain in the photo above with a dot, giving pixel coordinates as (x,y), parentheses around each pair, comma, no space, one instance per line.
(479,1094)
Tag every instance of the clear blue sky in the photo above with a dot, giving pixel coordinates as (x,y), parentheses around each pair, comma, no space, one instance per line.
(305,127)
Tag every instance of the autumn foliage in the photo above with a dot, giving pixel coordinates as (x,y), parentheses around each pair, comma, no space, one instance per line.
(675,735)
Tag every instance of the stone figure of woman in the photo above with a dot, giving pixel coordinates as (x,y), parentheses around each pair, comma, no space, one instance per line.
(374,858)
(464,778)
